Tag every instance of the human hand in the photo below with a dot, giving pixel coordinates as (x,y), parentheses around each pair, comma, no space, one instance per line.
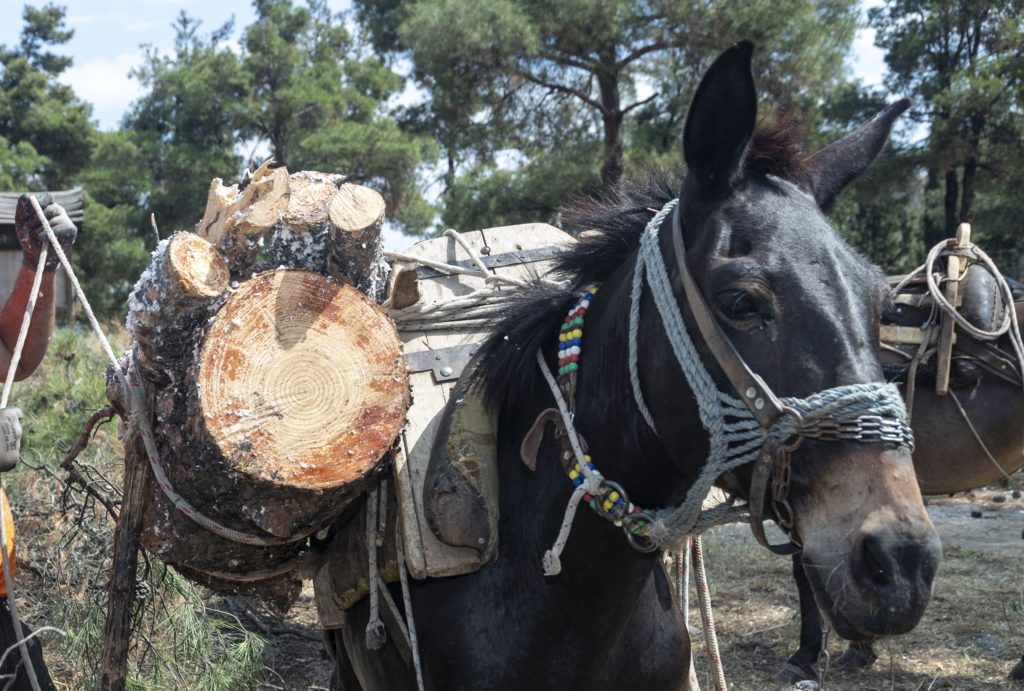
(10,437)
(30,229)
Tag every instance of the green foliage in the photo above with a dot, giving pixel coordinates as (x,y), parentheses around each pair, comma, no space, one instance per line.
(319,104)
(110,259)
(19,165)
(962,60)
(39,112)
(184,125)
(522,75)
(881,214)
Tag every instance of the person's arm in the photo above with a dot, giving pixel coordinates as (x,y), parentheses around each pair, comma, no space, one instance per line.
(31,236)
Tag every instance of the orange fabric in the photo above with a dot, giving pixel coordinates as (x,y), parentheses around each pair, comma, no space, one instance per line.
(9,534)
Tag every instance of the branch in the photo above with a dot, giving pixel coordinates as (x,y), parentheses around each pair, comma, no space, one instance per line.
(566,60)
(565,90)
(75,476)
(642,51)
(633,106)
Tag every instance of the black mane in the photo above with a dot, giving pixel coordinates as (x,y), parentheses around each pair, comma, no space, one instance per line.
(609,225)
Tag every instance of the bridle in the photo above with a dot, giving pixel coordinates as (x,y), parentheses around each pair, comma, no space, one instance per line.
(757,396)
(757,426)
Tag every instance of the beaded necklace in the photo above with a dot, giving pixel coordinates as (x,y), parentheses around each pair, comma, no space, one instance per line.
(610,501)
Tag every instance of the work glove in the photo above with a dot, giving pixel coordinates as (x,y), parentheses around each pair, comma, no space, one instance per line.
(10,437)
(31,234)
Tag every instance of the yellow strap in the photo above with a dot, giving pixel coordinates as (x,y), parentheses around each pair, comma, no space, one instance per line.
(9,531)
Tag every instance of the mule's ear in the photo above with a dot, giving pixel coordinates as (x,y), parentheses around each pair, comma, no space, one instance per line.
(721,120)
(835,166)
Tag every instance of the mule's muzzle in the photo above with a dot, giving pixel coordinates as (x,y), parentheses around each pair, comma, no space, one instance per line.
(886,585)
(870,549)
(894,574)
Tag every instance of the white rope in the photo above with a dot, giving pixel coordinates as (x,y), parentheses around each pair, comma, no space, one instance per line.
(11,599)
(735,438)
(1009,324)
(34,634)
(26,322)
(681,562)
(70,275)
(634,334)
(706,614)
(591,478)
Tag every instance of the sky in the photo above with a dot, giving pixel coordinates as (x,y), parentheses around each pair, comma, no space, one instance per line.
(110,35)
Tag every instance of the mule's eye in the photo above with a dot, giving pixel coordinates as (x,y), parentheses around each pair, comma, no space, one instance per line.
(740,305)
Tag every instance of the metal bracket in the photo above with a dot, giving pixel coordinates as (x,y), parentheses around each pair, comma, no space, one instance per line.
(447,364)
(495,260)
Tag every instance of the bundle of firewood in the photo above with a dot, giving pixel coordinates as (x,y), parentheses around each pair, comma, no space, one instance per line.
(275,381)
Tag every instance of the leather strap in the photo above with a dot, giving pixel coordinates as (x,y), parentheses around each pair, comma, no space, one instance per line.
(530,445)
(755,394)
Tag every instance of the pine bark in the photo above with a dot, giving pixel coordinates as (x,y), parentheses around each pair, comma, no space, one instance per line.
(276,392)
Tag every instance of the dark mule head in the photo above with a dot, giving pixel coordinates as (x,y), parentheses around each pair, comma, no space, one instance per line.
(802,308)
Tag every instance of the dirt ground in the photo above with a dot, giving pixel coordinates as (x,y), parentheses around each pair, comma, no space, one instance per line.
(970,637)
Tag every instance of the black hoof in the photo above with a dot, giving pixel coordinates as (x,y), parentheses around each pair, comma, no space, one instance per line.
(858,656)
(1017,673)
(791,673)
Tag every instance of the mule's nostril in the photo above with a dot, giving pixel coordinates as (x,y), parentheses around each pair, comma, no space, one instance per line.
(874,561)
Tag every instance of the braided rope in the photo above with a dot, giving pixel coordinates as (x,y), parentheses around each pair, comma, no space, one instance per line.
(707,617)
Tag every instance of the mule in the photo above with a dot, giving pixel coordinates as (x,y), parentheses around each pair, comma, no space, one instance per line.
(801,309)
(947,459)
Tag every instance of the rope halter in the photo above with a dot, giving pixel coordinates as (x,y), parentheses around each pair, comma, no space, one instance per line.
(755,426)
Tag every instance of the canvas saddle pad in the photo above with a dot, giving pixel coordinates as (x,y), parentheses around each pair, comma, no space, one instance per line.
(445,472)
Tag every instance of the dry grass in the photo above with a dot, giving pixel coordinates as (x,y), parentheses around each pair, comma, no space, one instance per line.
(970,637)
(187,639)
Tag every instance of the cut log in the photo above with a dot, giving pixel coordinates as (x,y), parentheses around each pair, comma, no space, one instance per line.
(237,221)
(357,218)
(334,230)
(277,396)
(178,291)
(296,391)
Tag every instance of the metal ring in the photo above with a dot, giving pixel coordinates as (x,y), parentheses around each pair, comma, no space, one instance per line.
(798,420)
(638,541)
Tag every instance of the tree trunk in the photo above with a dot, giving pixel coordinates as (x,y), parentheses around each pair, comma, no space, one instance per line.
(117,628)
(612,117)
(952,193)
(933,232)
(970,170)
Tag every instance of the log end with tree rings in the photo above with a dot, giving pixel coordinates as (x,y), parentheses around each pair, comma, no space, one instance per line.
(311,196)
(173,297)
(198,268)
(297,393)
(301,381)
(356,210)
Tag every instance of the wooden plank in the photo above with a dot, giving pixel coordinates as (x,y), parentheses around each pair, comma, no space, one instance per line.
(954,266)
